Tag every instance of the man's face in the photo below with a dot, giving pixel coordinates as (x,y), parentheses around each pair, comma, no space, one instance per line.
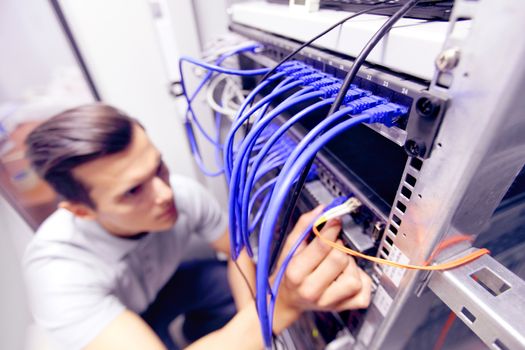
(131,189)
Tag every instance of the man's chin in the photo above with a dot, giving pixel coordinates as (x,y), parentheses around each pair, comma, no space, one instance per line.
(169,223)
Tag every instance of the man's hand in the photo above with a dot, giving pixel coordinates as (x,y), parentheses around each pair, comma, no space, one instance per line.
(319,277)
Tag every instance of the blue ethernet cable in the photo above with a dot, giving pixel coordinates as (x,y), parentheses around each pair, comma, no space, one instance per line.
(190,99)
(243,240)
(257,217)
(237,174)
(229,141)
(218,62)
(266,186)
(294,70)
(267,146)
(241,117)
(352,107)
(262,111)
(251,96)
(306,76)
(282,269)
(247,143)
(317,81)
(328,85)
(303,91)
(219,69)
(191,136)
(288,68)
(385,114)
(358,104)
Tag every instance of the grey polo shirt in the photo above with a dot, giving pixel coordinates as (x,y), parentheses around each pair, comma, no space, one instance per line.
(80,277)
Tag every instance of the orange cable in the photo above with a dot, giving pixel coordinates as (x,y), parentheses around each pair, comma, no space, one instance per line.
(444,266)
(444,331)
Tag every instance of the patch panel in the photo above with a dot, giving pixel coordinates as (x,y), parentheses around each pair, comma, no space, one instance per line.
(418,131)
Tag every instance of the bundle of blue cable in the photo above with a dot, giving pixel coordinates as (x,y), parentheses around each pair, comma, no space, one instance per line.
(307,148)
(265,150)
(244,169)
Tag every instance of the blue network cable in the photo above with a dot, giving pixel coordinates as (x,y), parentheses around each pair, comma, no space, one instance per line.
(307,74)
(241,160)
(189,112)
(250,181)
(282,269)
(312,79)
(267,186)
(209,74)
(244,170)
(228,144)
(219,69)
(265,108)
(237,182)
(352,107)
(386,114)
(243,240)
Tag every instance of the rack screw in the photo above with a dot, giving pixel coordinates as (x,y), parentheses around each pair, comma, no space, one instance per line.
(427,108)
(415,148)
(448,59)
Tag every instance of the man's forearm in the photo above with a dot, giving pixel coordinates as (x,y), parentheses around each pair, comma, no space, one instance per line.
(240,291)
(243,331)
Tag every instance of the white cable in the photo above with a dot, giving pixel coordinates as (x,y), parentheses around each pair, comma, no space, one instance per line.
(210,98)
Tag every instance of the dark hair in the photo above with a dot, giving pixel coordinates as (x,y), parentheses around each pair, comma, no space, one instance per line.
(75,137)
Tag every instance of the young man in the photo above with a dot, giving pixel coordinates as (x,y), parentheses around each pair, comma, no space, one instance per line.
(104,271)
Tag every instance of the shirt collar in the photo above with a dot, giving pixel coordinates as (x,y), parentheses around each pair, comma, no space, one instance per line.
(103,243)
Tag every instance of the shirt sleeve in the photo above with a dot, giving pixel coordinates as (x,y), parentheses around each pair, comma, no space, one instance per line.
(71,300)
(204,212)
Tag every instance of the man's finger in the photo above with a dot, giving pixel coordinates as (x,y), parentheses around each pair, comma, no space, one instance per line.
(362,299)
(302,224)
(324,275)
(311,256)
(305,220)
(346,286)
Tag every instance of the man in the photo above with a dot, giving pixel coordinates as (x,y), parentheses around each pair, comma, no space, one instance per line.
(105,271)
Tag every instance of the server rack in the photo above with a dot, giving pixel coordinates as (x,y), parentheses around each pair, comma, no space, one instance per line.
(464,148)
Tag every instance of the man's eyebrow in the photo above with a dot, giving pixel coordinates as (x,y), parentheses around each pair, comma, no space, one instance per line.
(141,180)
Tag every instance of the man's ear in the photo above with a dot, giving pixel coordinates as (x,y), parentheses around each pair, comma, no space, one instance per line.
(78,209)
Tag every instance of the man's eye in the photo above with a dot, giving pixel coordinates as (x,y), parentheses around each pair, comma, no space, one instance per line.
(133,191)
(162,169)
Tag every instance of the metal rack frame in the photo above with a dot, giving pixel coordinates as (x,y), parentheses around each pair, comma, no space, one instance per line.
(477,154)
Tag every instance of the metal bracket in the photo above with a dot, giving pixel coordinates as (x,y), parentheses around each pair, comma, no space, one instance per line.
(423,124)
(488,298)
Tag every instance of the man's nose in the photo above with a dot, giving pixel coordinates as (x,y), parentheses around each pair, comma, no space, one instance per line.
(162,190)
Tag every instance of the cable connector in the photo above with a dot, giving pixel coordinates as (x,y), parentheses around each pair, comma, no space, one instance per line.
(313,77)
(355,93)
(339,207)
(387,114)
(326,81)
(331,90)
(365,103)
(292,67)
(302,73)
